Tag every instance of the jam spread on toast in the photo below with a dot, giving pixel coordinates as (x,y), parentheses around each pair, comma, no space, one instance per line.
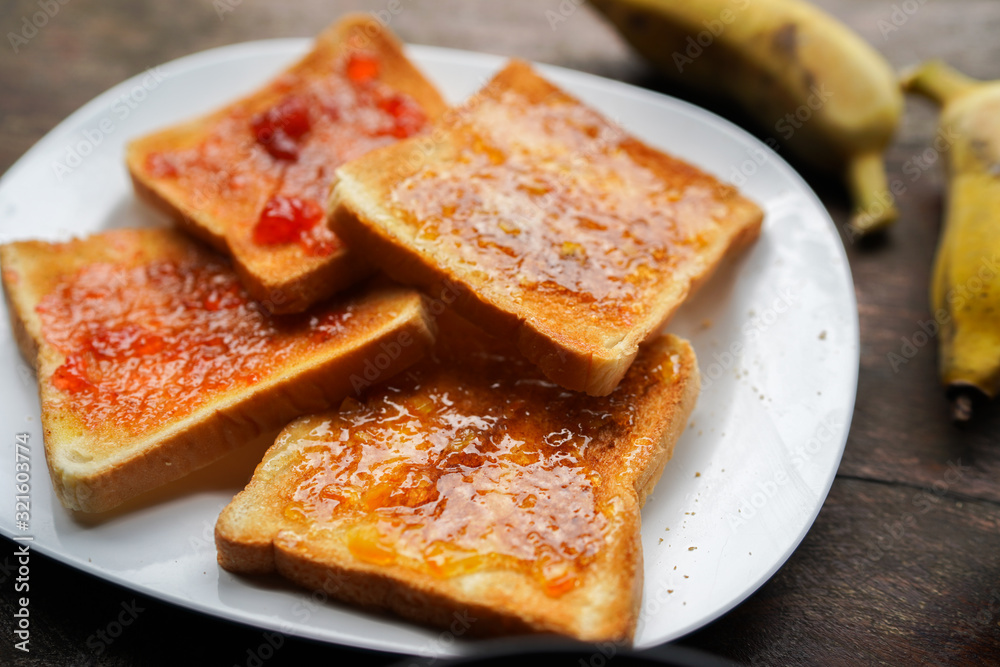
(280,129)
(552,198)
(272,168)
(151,343)
(469,461)
(288,219)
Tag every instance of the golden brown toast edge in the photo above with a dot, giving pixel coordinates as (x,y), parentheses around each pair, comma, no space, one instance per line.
(212,430)
(298,289)
(360,218)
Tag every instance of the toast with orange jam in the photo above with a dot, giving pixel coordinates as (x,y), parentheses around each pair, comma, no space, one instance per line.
(252,178)
(153,361)
(557,227)
(471,484)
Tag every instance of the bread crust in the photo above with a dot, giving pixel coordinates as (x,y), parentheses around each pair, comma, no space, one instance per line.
(285,279)
(94,471)
(255,535)
(590,357)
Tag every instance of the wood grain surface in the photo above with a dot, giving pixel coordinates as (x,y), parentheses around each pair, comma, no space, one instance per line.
(903,563)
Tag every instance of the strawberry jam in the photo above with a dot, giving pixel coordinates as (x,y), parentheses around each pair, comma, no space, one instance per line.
(362,67)
(286,219)
(408,117)
(281,127)
(148,344)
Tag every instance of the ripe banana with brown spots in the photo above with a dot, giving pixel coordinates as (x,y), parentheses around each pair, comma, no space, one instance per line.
(830,96)
(965,286)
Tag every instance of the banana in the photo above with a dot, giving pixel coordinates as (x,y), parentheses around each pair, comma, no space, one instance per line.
(965,285)
(831,96)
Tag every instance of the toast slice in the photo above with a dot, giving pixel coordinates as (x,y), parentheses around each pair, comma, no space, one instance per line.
(556,227)
(471,485)
(252,178)
(152,360)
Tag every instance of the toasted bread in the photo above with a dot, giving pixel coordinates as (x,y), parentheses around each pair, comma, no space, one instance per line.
(252,178)
(556,227)
(152,361)
(471,485)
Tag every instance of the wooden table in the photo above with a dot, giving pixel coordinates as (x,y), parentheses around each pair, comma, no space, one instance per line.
(903,563)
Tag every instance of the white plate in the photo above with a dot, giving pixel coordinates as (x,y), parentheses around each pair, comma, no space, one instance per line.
(776,334)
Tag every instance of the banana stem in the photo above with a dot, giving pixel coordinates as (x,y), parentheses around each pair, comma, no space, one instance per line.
(961,408)
(874,208)
(965,397)
(937,81)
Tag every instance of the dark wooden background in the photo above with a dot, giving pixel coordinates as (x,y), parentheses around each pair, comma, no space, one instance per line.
(903,563)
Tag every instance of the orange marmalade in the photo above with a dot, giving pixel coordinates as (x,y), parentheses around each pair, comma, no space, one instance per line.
(469,461)
(151,343)
(556,200)
(271,168)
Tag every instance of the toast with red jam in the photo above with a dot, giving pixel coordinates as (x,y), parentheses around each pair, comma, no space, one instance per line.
(153,360)
(253,177)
